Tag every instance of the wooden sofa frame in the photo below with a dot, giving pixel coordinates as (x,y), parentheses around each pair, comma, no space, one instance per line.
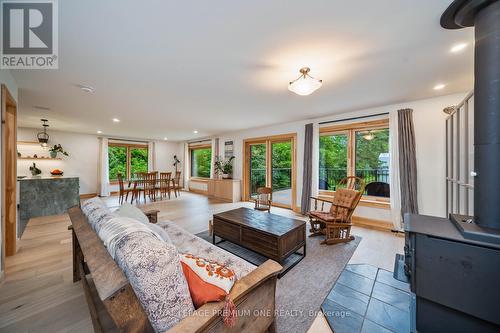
(253,295)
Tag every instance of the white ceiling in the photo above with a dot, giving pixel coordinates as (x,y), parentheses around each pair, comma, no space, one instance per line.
(166,68)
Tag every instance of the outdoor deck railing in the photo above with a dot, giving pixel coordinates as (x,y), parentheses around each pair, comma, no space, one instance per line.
(328,177)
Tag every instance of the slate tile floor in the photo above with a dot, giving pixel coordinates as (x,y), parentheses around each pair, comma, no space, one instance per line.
(368,299)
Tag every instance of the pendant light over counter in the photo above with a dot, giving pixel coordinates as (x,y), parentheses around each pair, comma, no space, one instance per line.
(43,137)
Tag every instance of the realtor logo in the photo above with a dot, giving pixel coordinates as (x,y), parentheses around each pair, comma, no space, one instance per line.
(29,34)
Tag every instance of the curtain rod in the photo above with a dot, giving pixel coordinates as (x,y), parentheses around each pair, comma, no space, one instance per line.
(354,118)
(206,140)
(128,140)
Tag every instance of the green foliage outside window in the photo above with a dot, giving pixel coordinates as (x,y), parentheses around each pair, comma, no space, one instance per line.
(281,162)
(117,158)
(372,156)
(281,153)
(201,161)
(371,152)
(332,160)
(257,167)
(138,160)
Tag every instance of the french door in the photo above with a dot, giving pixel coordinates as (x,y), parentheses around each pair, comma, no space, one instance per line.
(270,162)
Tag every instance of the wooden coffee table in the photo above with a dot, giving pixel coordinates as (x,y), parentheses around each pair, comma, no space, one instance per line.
(273,236)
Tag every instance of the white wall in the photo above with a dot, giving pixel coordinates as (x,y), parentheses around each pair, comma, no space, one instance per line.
(429,132)
(83,150)
(7,79)
(83,159)
(165,152)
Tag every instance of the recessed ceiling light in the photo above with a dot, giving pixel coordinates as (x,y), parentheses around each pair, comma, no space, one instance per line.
(116,120)
(195,132)
(99,132)
(87,89)
(165,138)
(439,86)
(458,47)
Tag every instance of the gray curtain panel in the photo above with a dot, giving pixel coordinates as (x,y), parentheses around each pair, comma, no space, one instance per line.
(407,162)
(305,204)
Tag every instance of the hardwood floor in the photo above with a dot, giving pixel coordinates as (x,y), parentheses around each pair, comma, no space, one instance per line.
(38,294)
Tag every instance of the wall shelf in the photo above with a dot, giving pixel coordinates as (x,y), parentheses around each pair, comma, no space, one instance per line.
(29,143)
(40,158)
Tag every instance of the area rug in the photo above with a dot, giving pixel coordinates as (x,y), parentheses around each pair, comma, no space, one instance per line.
(300,293)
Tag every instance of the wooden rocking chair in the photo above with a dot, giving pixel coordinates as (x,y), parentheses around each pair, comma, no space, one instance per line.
(264,199)
(336,223)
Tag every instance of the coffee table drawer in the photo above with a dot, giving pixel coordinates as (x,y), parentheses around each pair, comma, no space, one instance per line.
(226,230)
(260,242)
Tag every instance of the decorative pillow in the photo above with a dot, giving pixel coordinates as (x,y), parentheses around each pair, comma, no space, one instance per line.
(186,242)
(127,210)
(160,232)
(208,281)
(154,272)
(97,213)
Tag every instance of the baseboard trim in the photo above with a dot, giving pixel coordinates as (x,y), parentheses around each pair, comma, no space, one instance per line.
(88,195)
(193,190)
(372,223)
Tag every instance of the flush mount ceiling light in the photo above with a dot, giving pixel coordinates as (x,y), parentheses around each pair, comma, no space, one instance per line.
(195,132)
(43,137)
(458,47)
(305,84)
(116,120)
(99,132)
(439,86)
(165,138)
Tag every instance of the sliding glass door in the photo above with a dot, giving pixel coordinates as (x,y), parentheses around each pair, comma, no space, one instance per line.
(257,170)
(281,170)
(270,162)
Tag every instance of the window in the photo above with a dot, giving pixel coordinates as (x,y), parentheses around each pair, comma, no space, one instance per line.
(126,159)
(360,150)
(201,161)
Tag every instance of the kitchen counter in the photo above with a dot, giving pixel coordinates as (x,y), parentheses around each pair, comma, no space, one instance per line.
(45,177)
(44,196)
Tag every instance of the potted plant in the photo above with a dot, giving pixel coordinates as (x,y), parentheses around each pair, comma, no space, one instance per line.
(57,149)
(224,167)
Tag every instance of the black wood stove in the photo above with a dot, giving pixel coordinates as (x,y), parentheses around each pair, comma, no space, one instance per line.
(454,264)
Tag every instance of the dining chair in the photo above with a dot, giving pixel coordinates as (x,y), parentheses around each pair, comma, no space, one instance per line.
(165,182)
(177,183)
(150,186)
(124,191)
(139,183)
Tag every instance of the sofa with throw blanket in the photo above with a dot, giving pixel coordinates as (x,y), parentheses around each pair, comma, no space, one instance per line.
(135,267)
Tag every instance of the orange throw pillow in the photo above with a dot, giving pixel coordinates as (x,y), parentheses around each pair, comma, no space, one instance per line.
(208,281)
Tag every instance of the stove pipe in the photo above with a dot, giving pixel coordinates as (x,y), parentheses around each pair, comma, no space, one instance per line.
(484,15)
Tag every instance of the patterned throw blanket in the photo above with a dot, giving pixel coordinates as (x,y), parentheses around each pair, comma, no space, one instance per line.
(155,273)
(114,230)
(186,242)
